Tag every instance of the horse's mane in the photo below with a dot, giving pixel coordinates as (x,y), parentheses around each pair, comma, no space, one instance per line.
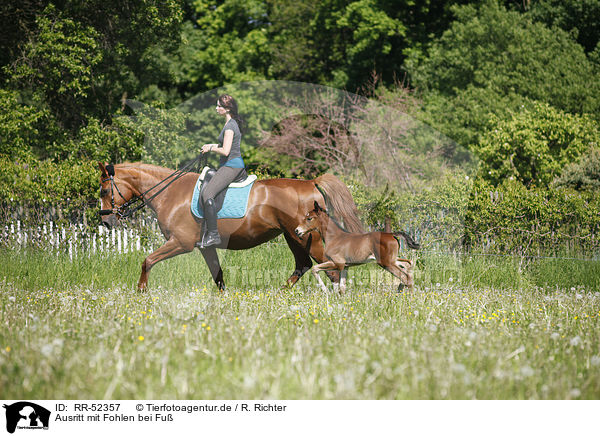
(146,168)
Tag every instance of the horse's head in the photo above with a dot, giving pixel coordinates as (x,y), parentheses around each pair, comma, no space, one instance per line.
(115,194)
(313,220)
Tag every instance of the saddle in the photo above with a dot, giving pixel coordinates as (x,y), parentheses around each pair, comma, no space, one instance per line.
(208,173)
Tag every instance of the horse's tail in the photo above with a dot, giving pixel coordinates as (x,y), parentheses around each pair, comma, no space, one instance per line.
(410,241)
(339,201)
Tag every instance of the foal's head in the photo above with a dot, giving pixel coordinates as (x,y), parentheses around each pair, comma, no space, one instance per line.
(314,220)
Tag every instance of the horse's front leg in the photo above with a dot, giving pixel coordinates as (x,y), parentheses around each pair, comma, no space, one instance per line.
(171,248)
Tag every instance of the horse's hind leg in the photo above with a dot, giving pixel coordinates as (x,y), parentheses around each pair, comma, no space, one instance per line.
(212,260)
(407,268)
(303,260)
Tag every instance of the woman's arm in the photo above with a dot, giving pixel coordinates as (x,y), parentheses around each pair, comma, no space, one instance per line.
(227,142)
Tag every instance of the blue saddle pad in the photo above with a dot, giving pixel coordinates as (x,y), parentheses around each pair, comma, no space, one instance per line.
(234,205)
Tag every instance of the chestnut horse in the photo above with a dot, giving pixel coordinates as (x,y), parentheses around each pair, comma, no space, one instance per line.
(275,206)
(344,249)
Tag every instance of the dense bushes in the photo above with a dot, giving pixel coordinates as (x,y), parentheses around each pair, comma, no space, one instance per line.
(512,218)
(68,190)
(457,212)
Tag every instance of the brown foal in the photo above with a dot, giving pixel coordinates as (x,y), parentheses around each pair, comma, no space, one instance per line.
(344,249)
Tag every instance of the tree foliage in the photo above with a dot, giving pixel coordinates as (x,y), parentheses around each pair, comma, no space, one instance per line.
(535,144)
(333,42)
(584,174)
(491,61)
(78,59)
(581,18)
(23,128)
(59,64)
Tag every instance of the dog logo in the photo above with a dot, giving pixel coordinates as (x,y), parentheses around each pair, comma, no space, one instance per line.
(26,415)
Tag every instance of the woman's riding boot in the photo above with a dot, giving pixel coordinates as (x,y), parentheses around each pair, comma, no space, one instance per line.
(211,234)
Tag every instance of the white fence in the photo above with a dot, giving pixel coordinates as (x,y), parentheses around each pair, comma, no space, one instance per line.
(77,239)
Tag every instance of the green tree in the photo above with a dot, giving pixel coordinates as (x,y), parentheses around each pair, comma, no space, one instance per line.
(24,129)
(332,42)
(583,175)
(73,62)
(59,64)
(534,145)
(230,43)
(578,17)
(490,61)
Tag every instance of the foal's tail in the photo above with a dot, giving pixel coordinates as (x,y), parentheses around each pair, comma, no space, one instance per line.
(339,201)
(410,241)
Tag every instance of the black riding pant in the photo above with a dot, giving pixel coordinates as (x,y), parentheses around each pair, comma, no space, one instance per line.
(220,181)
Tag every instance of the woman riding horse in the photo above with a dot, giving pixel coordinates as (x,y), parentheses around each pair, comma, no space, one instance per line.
(231,166)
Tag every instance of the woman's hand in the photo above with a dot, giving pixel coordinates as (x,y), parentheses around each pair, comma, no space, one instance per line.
(208,147)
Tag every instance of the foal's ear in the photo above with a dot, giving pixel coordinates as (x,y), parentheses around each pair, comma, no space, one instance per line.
(317,207)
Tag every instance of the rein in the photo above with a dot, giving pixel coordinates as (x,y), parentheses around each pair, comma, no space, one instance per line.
(124,210)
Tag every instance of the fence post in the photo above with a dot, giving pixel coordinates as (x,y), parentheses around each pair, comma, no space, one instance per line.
(119,241)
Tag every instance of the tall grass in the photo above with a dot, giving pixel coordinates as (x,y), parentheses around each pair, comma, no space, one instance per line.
(474,327)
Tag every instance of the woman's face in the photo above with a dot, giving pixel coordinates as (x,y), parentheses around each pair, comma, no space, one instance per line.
(220,109)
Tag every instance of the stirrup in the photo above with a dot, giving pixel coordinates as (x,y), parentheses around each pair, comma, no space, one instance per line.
(210,238)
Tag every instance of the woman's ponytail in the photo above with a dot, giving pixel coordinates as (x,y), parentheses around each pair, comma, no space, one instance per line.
(229,103)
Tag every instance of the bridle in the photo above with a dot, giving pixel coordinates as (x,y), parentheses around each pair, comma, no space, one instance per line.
(120,211)
(124,210)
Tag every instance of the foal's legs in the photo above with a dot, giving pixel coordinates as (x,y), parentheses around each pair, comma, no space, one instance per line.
(401,269)
(302,256)
(343,276)
(325,266)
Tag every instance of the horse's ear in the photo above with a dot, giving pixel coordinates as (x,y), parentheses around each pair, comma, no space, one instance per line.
(317,207)
(107,169)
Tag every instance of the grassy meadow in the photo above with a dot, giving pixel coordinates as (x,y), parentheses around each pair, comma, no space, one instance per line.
(477,327)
